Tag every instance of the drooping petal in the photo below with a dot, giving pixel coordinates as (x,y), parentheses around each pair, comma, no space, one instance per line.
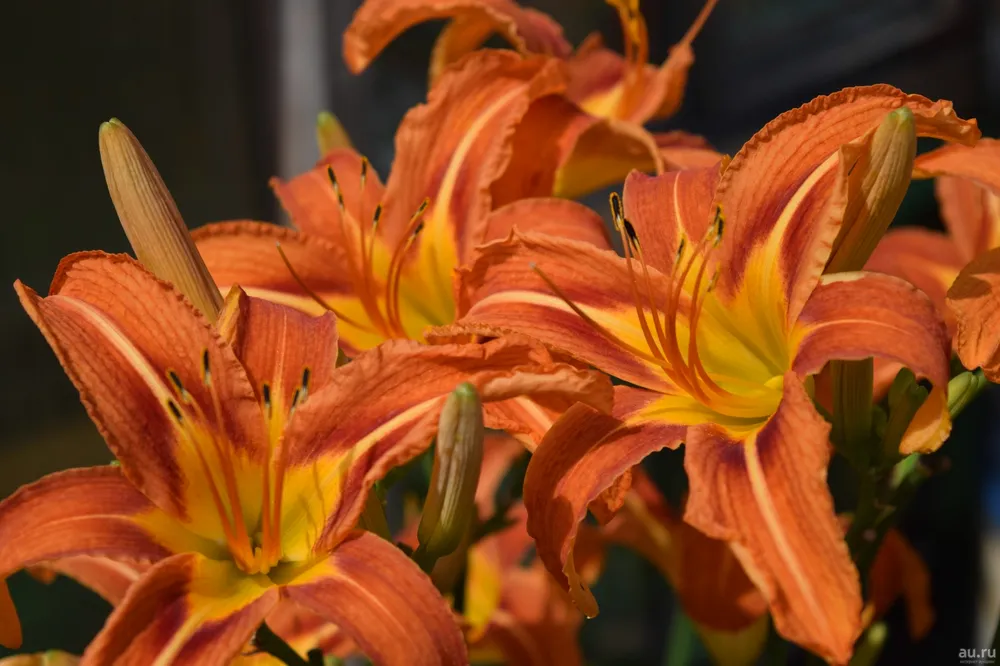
(311,200)
(787,189)
(453,148)
(382,409)
(581,457)
(501,292)
(767,495)
(974,301)
(292,353)
(899,572)
(928,260)
(382,600)
(968,191)
(151,370)
(88,511)
(853,316)
(665,208)
(554,217)
(377,22)
(185,610)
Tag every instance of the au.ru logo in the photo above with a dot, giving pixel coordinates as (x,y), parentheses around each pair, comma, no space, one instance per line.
(974,656)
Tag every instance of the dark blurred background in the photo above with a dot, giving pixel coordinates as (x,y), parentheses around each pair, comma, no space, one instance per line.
(224,94)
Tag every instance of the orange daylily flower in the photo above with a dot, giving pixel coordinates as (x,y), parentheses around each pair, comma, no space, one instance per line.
(720,312)
(597,118)
(246,457)
(394,278)
(968,191)
(360,249)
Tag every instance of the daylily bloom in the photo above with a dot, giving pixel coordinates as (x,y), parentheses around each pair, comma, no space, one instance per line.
(387,270)
(245,457)
(597,117)
(968,191)
(383,257)
(721,313)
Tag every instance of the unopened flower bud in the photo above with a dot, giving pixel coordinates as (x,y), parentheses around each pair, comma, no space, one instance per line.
(330,134)
(905,398)
(962,389)
(450,503)
(151,221)
(876,186)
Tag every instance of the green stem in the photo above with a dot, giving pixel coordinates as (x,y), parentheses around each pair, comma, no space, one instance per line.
(271,643)
(681,643)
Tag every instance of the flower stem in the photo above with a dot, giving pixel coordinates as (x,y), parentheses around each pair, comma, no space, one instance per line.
(271,643)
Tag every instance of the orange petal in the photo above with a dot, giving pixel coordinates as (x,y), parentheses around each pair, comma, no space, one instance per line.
(186,609)
(580,458)
(378,22)
(382,600)
(899,571)
(136,350)
(974,301)
(707,578)
(292,353)
(501,292)
(854,316)
(600,152)
(663,209)
(768,496)
(382,409)
(454,147)
(499,453)
(109,578)
(554,217)
(681,150)
(87,511)
(780,187)
(246,254)
(311,200)
(928,260)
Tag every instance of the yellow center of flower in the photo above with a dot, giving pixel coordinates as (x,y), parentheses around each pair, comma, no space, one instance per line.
(714,352)
(255,550)
(375,283)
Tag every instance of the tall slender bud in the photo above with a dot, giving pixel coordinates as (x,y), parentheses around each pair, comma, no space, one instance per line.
(450,504)
(150,218)
(330,134)
(877,183)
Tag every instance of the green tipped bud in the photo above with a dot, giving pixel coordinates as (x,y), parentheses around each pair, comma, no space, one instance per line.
(905,397)
(151,221)
(963,388)
(877,182)
(868,649)
(450,504)
(330,134)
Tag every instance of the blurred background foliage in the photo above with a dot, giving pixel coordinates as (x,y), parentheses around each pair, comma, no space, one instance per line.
(223,94)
